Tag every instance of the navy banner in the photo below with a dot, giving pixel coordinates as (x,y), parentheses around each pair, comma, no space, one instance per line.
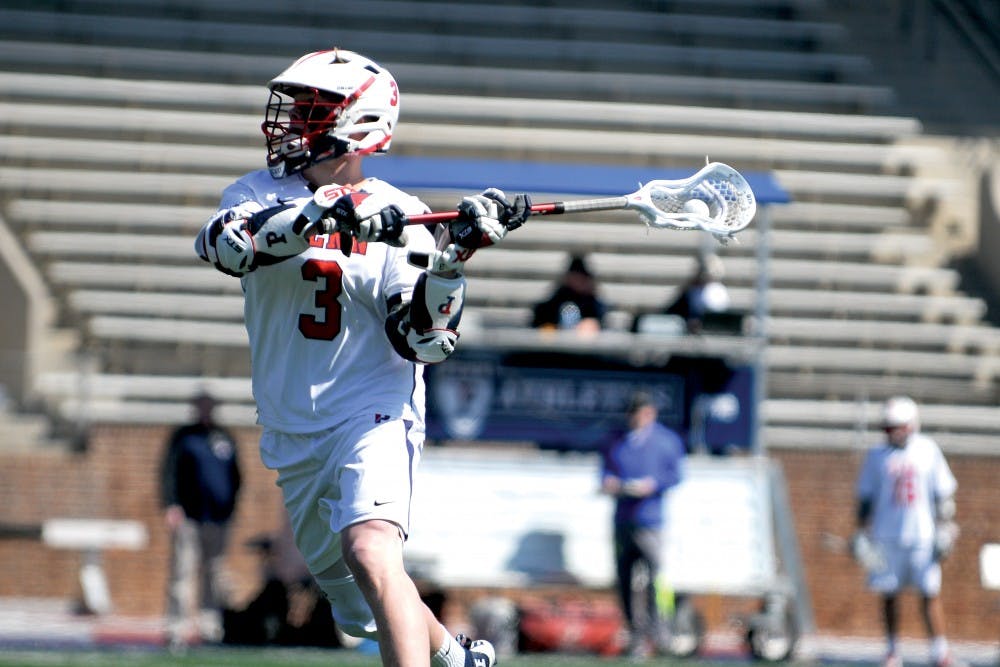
(577,402)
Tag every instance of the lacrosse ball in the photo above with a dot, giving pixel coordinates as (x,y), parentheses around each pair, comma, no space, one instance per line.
(697,207)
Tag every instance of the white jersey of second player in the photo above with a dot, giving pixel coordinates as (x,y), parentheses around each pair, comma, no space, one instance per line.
(903,485)
(301,327)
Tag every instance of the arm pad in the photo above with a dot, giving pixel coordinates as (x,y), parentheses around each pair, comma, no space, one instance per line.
(425,330)
(238,240)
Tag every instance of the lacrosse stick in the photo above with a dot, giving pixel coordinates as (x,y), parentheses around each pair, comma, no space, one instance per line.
(717,199)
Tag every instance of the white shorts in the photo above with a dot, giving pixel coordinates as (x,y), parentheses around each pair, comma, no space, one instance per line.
(906,566)
(357,471)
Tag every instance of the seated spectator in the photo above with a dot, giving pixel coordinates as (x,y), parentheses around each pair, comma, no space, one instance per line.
(574,304)
(704,294)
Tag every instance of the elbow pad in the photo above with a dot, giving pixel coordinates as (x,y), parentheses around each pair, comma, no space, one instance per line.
(238,240)
(425,330)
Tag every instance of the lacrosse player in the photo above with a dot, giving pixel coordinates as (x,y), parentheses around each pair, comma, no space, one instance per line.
(905,515)
(343,305)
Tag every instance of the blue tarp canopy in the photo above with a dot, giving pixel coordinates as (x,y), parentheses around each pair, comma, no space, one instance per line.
(416,173)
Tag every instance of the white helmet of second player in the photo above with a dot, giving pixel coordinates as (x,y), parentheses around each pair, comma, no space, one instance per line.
(328,104)
(900,411)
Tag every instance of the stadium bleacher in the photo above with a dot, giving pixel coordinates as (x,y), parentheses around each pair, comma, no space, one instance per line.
(139,113)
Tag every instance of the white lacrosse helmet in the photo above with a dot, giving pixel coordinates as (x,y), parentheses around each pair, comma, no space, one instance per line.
(900,411)
(328,104)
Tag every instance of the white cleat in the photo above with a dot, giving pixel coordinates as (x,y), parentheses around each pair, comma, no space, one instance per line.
(478,653)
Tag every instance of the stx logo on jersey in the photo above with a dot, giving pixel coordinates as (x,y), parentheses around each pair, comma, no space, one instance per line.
(445,308)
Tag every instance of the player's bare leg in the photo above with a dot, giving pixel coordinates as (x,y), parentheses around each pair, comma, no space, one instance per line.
(933,612)
(890,618)
(373,551)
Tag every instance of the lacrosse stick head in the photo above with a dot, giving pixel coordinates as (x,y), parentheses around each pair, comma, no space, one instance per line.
(728,202)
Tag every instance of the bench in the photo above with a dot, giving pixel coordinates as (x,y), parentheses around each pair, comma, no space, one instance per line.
(175,140)
(656,266)
(89,184)
(849,440)
(70,215)
(420,107)
(588,144)
(122,246)
(809,185)
(799,214)
(93,537)
(150,412)
(172,330)
(577,54)
(200,306)
(974,368)
(190,66)
(146,387)
(196,279)
(880,333)
(568,22)
(850,384)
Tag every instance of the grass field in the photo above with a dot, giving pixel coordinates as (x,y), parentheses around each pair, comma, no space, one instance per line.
(253,657)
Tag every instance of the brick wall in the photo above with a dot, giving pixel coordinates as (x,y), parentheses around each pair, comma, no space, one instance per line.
(117,478)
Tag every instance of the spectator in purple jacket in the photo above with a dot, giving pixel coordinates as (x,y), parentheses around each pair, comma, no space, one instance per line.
(637,471)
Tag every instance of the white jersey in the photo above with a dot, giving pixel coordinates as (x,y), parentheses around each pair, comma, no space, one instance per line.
(316,321)
(903,485)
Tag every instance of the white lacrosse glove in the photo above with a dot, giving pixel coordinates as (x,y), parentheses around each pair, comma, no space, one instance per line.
(485,219)
(865,552)
(234,249)
(366,218)
(226,242)
(945,535)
